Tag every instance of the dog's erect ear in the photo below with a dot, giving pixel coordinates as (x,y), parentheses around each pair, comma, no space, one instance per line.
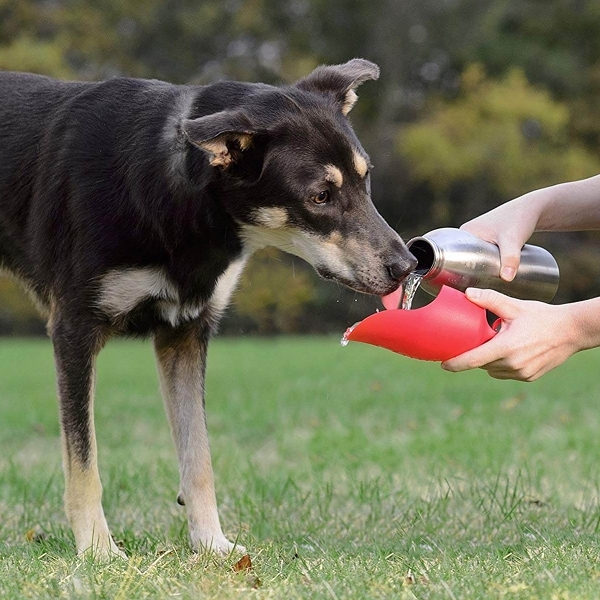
(340,80)
(224,136)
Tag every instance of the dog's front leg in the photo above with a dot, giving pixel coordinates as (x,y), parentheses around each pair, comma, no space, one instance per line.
(181,359)
(76,346)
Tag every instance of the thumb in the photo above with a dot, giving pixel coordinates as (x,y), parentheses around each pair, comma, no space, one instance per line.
(510,258)
(503,306)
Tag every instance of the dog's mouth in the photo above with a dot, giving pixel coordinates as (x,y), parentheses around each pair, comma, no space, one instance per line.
(368,284)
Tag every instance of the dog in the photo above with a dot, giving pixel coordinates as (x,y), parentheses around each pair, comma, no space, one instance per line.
(129,207)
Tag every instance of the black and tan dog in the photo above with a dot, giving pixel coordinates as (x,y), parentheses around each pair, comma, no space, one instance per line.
(130,207)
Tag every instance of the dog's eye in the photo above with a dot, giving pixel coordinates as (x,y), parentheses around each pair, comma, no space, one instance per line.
(321,197)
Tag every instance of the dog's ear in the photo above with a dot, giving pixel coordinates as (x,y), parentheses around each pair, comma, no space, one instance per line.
(224,136)
(340,81)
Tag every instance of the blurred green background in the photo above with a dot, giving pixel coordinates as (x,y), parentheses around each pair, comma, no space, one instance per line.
(478,102)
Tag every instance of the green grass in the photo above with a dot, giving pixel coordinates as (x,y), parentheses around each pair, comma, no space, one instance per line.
(347,473)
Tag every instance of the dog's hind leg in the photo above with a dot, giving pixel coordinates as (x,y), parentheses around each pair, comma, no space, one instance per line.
(76,345)
(181,359)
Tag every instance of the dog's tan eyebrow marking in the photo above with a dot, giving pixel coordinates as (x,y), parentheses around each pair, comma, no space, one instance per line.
(334,175)
(360,163)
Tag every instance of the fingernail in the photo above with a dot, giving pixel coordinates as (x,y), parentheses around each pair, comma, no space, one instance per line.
(507,273)
(473,293)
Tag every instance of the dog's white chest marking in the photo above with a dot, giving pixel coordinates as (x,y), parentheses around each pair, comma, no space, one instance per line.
(226,284)
(122,290)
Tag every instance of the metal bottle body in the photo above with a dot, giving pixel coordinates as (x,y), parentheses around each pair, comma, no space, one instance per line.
(460,260)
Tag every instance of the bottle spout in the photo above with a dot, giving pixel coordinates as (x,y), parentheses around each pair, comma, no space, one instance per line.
(426,254)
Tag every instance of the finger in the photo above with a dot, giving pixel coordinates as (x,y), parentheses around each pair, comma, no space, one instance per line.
(506,373)
(503,375)
(510,256)
(498,369)
(503,306)
(482,356)
(509,265)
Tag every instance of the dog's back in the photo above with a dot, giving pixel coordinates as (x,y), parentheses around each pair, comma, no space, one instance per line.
(27,109)
(72,158)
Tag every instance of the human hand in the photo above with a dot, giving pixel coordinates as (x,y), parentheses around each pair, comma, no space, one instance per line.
(508,226)
(533,339)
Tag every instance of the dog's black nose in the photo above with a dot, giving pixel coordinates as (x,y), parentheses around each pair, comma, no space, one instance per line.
(401,268)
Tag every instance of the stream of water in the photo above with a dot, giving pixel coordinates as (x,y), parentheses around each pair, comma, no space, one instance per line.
(409,289)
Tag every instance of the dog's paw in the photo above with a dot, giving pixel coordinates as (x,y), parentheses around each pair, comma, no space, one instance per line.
(102,549)
(218,544)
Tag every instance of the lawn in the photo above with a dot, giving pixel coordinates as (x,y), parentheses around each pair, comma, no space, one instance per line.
(346,472)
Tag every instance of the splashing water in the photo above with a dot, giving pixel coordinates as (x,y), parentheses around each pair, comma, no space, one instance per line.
(344,341)
(409,289)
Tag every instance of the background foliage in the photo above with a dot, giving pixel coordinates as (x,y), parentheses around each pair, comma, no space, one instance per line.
(479,101)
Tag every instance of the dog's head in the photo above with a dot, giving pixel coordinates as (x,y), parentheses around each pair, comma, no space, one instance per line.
(295,176)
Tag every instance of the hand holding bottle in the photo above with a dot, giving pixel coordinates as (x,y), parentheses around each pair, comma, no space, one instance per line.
(534,337)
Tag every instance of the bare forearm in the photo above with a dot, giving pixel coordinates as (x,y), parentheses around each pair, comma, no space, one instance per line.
(570,206)
(585,323)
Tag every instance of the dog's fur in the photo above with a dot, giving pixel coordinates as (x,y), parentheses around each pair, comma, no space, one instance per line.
(130,207)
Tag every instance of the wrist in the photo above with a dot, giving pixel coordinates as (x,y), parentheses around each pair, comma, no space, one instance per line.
(534,206)
(582,324)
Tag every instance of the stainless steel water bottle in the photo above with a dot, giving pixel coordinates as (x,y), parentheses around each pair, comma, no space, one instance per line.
(458,259)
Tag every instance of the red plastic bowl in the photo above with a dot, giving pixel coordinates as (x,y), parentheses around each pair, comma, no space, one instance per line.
(445,328)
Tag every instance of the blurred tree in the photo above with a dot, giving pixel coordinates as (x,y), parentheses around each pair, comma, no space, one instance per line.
(27,41)
(271,299)
(556,43)
(498,139)
(18,315)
